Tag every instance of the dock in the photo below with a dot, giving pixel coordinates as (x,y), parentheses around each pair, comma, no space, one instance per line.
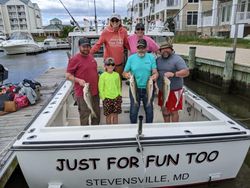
(12,124)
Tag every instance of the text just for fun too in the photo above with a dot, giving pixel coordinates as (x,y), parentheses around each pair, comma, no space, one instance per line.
(135,162)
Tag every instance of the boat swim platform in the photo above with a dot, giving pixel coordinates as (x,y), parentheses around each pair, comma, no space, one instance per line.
(12,124)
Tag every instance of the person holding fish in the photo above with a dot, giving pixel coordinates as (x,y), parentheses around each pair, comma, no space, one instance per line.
(110,92)
(172,69)
(141,70)
(82,71)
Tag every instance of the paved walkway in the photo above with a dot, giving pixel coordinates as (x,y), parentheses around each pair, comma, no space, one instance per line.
(218,53)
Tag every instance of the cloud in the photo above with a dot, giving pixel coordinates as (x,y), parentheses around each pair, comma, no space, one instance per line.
(79,9)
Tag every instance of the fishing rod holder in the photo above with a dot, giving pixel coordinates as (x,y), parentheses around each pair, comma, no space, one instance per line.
(139,130)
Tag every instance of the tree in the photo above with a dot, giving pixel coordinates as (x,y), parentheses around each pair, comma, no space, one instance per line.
(66,29)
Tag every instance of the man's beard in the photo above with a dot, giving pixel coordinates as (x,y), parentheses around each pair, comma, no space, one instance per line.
(165,55)
(141,54)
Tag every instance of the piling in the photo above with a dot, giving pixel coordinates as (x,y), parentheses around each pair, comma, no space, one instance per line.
(228,71)
(192,63)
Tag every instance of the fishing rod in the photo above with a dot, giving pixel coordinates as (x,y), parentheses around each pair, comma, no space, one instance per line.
(96,28)
(169,23)
(131,17)
(77,25)
(149,15)
(180,10)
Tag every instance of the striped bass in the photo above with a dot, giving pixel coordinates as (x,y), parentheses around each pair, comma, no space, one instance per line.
(133,88)
(165,89)
(88,99)
(150,89)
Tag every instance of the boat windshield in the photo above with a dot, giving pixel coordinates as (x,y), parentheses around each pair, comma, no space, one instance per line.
(20,36)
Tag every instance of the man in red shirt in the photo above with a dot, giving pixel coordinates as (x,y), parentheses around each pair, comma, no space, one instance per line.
(82,68)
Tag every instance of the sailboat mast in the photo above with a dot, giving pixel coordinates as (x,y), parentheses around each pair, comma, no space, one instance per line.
(113,6)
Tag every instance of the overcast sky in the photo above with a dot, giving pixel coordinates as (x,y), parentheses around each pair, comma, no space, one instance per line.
(79,9)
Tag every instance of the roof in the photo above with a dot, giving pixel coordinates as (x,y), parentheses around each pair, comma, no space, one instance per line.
(24,1)
(55,19)
(3,1)
(53,27)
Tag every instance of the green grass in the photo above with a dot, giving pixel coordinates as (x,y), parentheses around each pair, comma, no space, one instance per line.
(241,43)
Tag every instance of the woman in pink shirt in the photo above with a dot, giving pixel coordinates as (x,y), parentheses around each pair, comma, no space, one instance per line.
(152,46)
(115,39)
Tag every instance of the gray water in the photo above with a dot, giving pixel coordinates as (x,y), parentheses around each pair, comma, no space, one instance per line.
(30,67)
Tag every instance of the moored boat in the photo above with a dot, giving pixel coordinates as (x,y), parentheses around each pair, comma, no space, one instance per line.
(53,44)
(19,43)
(55,151)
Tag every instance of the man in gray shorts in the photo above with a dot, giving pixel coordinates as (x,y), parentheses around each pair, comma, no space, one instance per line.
(175,69)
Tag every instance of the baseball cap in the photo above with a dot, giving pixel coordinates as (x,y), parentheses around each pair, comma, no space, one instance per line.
(142,42)
(139,26)
(109,61)
(83,41)
(114,15)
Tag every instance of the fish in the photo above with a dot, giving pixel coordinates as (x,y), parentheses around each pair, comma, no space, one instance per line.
(133,88)
(88,99)
(178,95)
(150,89)
(165,89)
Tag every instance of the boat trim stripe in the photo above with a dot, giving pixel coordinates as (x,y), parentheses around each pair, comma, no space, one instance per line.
(130,142)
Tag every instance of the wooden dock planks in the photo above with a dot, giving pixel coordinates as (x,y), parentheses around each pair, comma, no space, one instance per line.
(13,123)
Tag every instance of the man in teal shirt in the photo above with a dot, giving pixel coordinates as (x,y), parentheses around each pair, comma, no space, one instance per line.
(142,66)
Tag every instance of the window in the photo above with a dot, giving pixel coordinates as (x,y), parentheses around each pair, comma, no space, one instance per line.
(223,14)
(226,13)
(192,17)
(229,8)
(242,6)
(193,1)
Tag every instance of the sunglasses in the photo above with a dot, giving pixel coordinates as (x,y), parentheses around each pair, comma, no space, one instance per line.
(140,29)
(141,47)
(110,64)
(115,20)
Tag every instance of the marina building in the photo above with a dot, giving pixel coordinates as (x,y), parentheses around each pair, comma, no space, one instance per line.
(184,13)
(20,15)
(206,17)
(54,28)
(219,18)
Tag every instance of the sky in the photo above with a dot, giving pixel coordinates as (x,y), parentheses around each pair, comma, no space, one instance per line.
(79,9)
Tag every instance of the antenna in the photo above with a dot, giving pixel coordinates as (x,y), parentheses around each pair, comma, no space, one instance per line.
(113,6)
(77,25)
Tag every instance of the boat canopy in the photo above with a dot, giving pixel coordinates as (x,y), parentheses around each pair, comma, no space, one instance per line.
(20,36)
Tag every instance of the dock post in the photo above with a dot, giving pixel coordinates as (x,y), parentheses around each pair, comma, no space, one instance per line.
(228,71)
(192,63)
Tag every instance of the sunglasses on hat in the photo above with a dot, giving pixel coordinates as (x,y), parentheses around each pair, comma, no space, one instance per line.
(115,20)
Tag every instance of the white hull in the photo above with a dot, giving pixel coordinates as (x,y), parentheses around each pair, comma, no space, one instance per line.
(21,48)
(52,152)
(19,43)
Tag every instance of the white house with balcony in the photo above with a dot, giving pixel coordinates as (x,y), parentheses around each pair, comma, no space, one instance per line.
(184,12)
(222,17)
(20,15)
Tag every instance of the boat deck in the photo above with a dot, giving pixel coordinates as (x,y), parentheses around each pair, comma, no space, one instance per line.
(13,123)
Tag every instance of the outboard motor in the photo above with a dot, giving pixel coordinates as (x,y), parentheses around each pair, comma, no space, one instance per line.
(3,73)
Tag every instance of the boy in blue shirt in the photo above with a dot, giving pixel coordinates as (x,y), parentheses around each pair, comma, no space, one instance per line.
(142,66)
